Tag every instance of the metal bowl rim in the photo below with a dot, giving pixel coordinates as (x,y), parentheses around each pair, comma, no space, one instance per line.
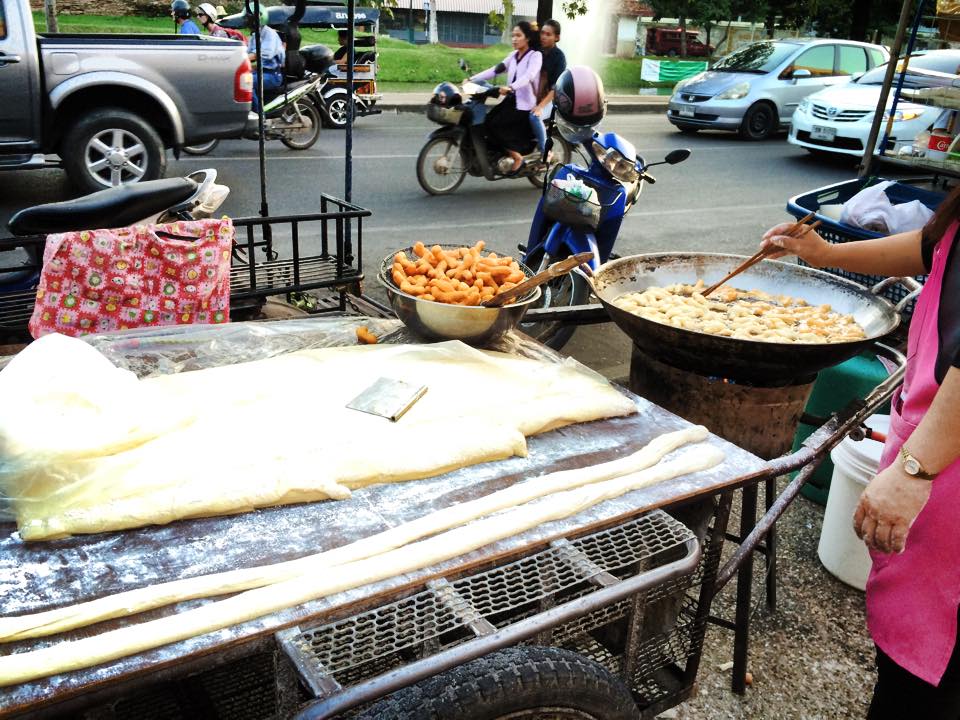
(387,281)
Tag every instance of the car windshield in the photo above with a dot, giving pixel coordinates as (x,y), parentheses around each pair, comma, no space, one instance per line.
(761,57)
(948,62)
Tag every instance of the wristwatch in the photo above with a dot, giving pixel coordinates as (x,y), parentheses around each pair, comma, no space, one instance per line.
(912,466)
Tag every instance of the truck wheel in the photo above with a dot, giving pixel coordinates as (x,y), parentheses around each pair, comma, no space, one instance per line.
(521,682)
(110,147)
(758,122)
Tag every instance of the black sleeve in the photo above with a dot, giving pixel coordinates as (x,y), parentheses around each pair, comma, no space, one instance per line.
(948,317)
(501,68)
(927,245)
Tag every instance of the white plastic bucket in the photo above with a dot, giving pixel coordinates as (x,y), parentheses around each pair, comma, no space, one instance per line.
(854,465)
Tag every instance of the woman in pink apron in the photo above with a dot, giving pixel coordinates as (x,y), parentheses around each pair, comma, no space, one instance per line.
(908,514)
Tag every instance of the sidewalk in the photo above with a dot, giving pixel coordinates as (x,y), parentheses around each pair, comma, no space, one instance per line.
(414,102)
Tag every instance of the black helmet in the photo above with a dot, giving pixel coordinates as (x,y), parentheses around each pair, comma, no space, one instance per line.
(581,102)
(180,8)
(446,94)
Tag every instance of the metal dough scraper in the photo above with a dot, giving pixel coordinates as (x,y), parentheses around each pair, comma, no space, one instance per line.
(388,398)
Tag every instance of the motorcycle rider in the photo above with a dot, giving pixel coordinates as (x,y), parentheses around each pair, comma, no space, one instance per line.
(554,63)
(508,123)
(180,9)
(272,55)
(207,15)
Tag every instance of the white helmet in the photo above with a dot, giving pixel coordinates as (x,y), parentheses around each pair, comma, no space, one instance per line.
(209,10)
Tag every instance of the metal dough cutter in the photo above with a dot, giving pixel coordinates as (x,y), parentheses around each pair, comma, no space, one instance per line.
(388,398)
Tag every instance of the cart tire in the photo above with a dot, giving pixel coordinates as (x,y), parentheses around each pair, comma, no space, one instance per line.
(759,122)
(520,682)
(439,178)
(567,290)
(335,108)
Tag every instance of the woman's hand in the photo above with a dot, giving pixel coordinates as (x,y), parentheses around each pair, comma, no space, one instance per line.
(888,507)
(537,110)
(505,90)
(806,244)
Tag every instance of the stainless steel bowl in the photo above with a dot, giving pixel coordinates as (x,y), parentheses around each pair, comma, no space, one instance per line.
(440,321)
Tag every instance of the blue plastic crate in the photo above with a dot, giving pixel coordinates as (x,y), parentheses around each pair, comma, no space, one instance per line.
(837,232)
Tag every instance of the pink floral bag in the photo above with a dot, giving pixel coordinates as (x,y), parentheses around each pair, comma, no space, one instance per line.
(137,276)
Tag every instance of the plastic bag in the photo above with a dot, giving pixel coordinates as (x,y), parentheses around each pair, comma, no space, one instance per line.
(872,210)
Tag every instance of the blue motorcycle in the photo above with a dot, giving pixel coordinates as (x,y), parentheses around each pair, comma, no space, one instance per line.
(581,210)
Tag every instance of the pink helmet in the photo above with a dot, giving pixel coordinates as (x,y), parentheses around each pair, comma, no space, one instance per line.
(581,102)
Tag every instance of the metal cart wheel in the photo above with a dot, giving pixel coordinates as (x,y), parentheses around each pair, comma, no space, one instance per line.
(519,683)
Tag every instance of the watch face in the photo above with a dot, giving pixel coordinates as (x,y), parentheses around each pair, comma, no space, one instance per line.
(911,466)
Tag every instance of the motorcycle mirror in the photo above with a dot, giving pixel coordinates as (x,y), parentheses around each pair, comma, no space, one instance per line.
(676,156)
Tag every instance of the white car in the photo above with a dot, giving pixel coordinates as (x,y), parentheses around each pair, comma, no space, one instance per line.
(838,119)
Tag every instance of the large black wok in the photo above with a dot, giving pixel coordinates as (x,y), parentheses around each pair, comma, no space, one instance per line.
(743,360)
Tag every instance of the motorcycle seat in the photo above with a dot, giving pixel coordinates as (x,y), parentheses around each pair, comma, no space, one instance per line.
(110,208)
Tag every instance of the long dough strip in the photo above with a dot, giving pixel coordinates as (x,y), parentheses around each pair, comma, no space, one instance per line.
(135,601)
(66,656)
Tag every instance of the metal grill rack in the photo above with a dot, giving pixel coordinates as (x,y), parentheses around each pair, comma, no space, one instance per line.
(447,614)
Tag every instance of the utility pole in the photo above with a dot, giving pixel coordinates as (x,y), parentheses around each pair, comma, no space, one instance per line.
(50,10)
(410,23)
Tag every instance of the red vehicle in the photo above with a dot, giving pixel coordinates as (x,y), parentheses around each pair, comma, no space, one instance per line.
(666,41)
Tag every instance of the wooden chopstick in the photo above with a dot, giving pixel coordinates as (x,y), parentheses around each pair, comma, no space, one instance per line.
(762,253)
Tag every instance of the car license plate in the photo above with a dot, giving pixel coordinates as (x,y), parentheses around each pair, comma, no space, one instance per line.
(823,133)
(686,110)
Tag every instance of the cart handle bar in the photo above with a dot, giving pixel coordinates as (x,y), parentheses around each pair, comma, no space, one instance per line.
(811,455)
(407,675)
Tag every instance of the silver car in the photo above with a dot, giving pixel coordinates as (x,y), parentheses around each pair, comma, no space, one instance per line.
(755,89)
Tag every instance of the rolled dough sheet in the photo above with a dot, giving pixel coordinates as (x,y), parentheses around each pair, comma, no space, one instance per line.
(134,601)
(276,431)
(65,656)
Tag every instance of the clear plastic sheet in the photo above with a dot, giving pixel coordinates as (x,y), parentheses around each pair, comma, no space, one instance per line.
(92,445)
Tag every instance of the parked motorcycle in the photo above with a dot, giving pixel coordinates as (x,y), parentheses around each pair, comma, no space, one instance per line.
(581,210)
(193,197)
(291,116)
(461,145)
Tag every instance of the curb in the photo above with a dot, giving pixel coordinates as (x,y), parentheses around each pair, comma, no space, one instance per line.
(614,109)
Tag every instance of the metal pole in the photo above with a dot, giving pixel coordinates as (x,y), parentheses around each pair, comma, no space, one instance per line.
(348,167)
(903,74)
(867,162)
(50,11)
(410,36)
(261,122)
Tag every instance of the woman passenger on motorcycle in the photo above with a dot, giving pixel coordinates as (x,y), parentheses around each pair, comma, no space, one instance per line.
(207,15)
(509,122)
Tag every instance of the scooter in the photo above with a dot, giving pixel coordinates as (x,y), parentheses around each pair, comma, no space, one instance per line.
(291,116)
(461,146)
(156,201)
(581,210)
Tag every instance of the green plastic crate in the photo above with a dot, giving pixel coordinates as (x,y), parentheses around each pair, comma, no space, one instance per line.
(834,389)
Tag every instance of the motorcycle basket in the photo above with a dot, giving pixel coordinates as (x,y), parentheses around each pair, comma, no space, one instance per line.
(444,115)
(560,205)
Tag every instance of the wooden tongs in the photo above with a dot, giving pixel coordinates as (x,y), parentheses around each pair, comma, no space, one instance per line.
(556,270)
(795,230)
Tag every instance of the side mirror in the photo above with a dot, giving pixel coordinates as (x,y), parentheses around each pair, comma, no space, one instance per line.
(677,156)
(800,73)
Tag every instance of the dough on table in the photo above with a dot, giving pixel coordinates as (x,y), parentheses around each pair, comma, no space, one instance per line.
(120,452)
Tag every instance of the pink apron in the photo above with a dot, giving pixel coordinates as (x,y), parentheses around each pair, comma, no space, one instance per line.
(912,597)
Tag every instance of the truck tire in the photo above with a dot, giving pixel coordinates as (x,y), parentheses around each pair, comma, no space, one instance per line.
(520,682)
(111,146)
